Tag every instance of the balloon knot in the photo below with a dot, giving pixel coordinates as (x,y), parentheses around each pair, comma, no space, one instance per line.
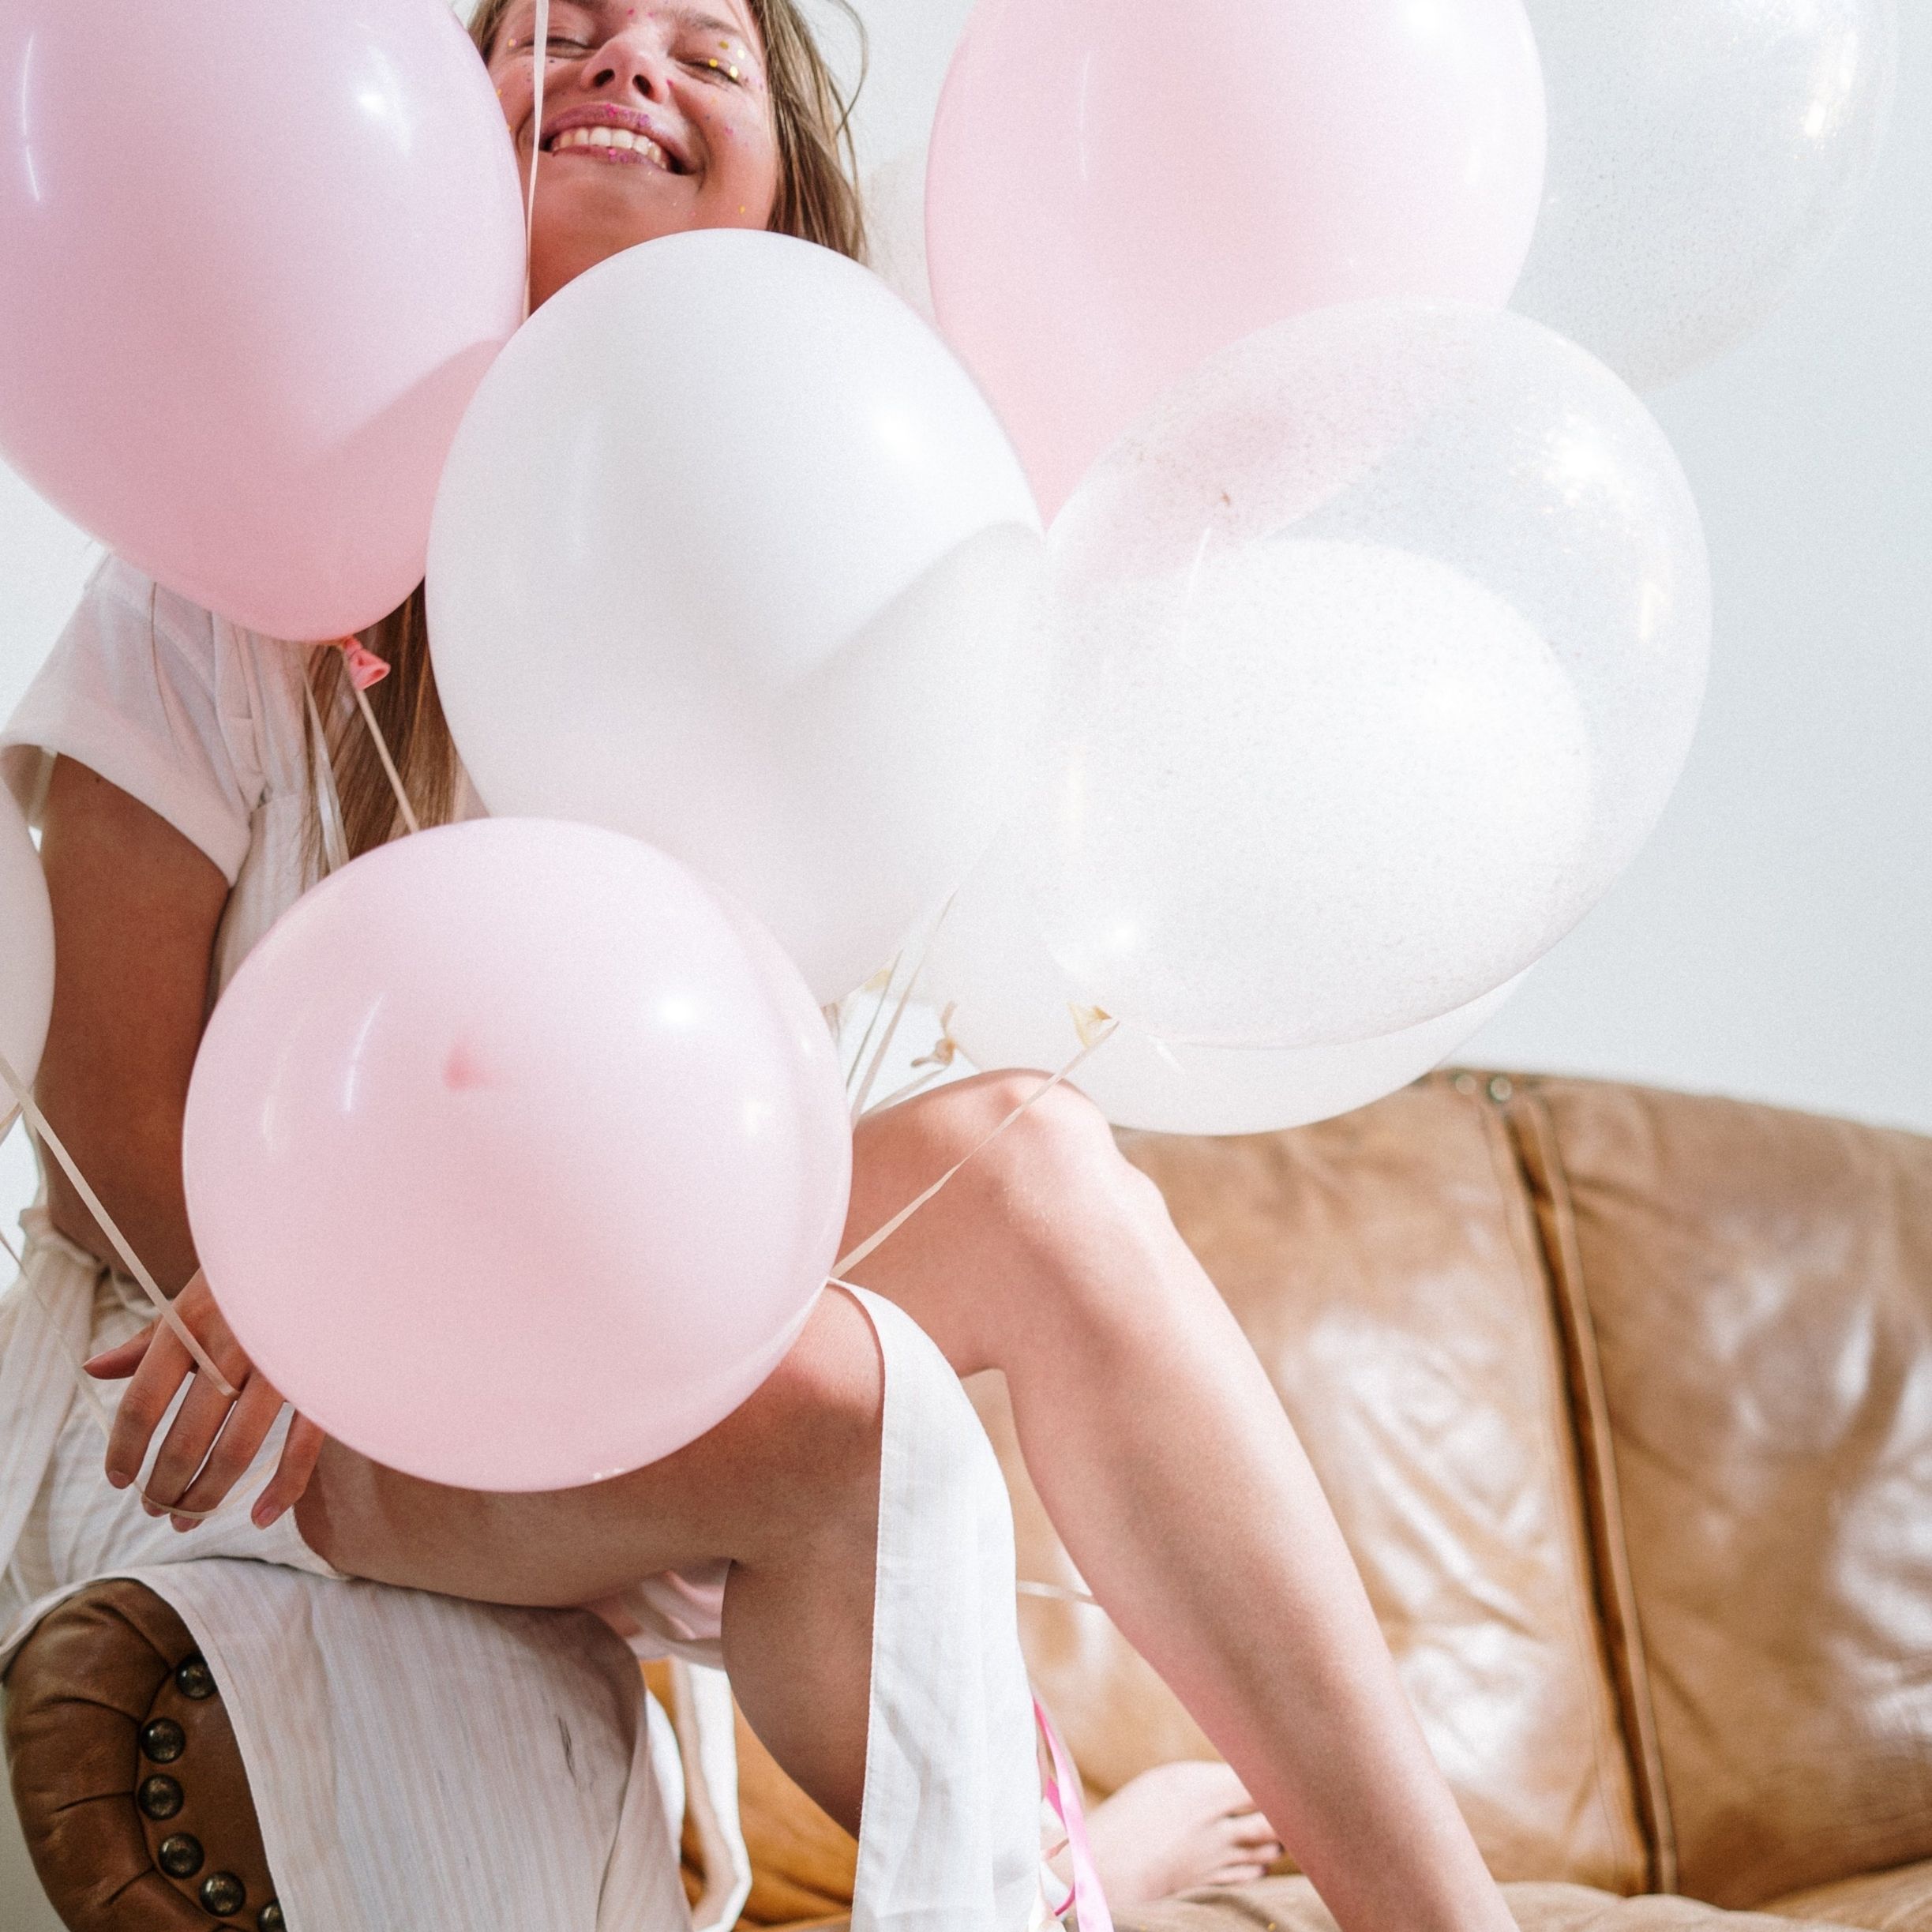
(365,669)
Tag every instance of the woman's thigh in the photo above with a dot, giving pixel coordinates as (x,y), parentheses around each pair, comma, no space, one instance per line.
(756,1490)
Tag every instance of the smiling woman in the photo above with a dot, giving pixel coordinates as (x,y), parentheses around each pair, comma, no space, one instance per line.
(736,93)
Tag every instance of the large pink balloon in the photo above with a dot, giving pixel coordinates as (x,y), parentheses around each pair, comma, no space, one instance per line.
(256,259)
(516,1156)
(1117,189)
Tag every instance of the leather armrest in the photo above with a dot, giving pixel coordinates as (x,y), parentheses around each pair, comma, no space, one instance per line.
(133,1798)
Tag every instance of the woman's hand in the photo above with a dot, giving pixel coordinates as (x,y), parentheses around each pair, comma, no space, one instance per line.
(210,1429)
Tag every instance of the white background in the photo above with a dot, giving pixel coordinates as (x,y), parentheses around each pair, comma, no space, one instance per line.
(1774,942)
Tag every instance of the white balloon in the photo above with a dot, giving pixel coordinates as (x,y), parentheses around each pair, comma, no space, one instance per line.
(1704,155)
(1008,1003)
(732,555)
(1378,649)
(26,949)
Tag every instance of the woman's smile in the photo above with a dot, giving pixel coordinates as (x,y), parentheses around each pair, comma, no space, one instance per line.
(613,132)
(657,117)
(612,144)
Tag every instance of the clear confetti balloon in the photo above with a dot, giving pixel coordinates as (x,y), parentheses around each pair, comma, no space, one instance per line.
(1009,1003)
(1704,155)
(1377,650)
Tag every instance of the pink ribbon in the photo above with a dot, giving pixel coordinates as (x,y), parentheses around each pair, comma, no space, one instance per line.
(365,667)
(1063,1793)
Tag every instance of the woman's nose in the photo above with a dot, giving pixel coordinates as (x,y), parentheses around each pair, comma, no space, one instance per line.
(632,59)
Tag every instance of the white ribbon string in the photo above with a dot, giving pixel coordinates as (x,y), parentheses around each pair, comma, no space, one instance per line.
(335,834)
(1058,1593)
(872,1246)
(163,1308)
(882,984)
(539,66)
(388,764)
(898,1012)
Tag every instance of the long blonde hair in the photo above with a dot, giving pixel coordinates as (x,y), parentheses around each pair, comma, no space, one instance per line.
(818,201)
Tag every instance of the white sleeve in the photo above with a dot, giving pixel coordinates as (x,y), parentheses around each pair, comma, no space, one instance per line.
(146,689)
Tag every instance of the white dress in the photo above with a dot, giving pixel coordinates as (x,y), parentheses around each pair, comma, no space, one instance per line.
(417,1760)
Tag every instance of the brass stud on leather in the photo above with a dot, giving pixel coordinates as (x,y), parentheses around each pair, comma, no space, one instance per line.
(1501,1088)
(193,1678)
(180,1855)
(160,1798)
(162,1741)
(223,1894)
(269,1919)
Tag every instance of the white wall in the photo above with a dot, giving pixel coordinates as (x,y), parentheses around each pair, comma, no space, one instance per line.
(1775,939)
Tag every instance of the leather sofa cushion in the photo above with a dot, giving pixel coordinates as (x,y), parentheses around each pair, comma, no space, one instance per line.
(1290,1905)
(1758,1286)
(1898,1901)
(1387,1268)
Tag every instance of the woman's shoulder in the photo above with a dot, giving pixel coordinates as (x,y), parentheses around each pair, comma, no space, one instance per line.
(191,713)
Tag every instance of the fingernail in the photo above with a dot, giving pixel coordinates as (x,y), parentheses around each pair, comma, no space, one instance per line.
(119,1478)
(263,1514)
(180,1522)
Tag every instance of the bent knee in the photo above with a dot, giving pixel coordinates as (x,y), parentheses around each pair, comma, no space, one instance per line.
(1019,1131)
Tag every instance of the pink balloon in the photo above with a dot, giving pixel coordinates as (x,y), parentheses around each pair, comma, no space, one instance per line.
(257,259)
(516,1156)
(1118,188)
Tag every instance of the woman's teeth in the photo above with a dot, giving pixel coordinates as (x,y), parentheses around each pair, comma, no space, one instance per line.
(641,144)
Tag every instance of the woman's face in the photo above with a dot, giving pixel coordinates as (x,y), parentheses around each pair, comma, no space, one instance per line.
(680,83)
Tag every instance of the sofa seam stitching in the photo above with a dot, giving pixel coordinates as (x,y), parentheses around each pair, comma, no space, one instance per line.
(1526,1244)
(1622,1627)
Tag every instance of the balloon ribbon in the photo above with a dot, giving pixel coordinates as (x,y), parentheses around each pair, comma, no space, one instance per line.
(1063,1793)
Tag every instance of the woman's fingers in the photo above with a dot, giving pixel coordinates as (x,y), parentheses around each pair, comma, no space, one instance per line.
(162,1369)
(242,1436)
(285,1487)
(113,1364)
(184,1448)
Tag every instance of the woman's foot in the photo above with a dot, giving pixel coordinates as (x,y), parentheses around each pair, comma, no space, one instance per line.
(1176,1828)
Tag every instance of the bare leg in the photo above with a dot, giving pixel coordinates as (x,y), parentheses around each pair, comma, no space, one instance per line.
(1175,1480)
(787,1487)
(1151,1431)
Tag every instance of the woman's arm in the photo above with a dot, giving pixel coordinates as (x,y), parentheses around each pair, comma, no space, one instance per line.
(136,909)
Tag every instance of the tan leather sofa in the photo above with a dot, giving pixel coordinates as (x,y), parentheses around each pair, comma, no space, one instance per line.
(1624,1400)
